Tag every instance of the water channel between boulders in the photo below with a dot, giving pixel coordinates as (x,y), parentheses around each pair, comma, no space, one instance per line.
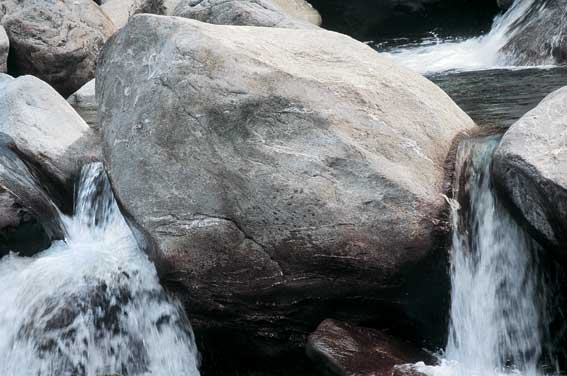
(502,298)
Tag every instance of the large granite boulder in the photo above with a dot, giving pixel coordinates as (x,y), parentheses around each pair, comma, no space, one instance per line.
(539,37)
(529,170)
(274,174)
(4,49)
(242,12)
(120,11)
(46,129)
(342,349)
(84,102)
(56,40)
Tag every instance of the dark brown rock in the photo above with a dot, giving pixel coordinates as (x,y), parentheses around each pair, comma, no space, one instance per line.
(343,349)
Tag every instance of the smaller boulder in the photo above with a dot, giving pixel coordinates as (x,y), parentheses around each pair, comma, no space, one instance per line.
(529,171)
(46,129)
(299,9)
(84,102)
(4,49)
(56,40)
(343,349)
(241,12)
(120,11)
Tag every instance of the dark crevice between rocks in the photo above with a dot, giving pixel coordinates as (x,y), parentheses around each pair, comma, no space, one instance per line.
(376,19)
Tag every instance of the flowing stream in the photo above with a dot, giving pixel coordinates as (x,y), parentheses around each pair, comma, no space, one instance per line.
(433,55)
(91,305)
(498,312)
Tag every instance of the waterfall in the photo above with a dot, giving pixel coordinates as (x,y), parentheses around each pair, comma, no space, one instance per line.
(91,305)
(477,53)
(498,308)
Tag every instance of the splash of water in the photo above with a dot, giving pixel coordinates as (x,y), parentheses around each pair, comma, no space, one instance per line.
(91,305)
(479,53)
(498,317)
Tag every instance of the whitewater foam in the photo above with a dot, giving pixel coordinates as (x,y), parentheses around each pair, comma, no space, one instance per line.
(91,305)
(478,53)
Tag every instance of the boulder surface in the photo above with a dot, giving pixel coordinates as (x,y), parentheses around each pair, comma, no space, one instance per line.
(120,11)
(529,170)
(45,129)
(244,12)
(343,349)
(275,173)
(4,50)
(300,9)
(56,40)
(84,102)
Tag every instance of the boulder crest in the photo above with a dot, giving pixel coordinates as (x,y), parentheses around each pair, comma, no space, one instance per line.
(275,173)
(294,14)
(529,171)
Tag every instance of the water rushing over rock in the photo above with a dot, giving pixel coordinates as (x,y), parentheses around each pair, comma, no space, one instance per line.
(478,53)
(498,309)
(91,305)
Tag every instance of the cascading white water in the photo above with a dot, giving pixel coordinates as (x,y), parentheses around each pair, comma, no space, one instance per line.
(91,305)
(497,310)
(477,53)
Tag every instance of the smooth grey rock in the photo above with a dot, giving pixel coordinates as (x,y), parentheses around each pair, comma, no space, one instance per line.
(300,9)
(84,102)
(530,167)
(241,12)
(275,172)
(4,49)
(56,40)
(45,128)
(539,37)
(342,349)
(120,11)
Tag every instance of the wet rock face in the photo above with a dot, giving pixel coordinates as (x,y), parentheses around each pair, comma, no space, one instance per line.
(529,170)
(343,349)
(540,36)
(56,40)
(276,176)
(4,49)
(28,219)
(245,13)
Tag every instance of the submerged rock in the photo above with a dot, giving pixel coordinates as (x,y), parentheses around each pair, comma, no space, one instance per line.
(539,37)
(56,40)
(4,49)
(343,349)
(120,11)
(46,129)
(84,102)
(275,173)
(245,12)
(529,170)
